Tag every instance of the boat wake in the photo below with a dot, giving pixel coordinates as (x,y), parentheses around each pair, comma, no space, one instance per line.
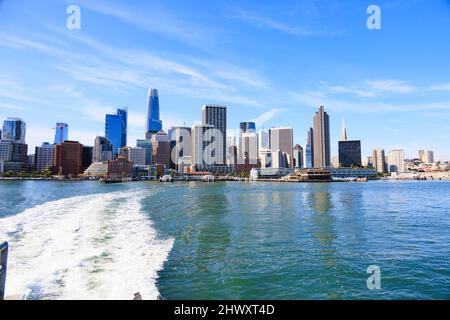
(91,247)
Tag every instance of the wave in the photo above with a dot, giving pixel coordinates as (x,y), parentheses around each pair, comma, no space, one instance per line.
(93,247)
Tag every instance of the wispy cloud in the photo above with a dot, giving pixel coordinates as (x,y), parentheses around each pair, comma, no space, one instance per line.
(262,21)
(370,88)
(439,87)
(151,18)
(268,115)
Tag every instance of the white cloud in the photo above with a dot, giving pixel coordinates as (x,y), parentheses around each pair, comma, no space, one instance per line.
(267,116)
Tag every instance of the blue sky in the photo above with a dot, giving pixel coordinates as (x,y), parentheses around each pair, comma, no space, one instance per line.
(273,62)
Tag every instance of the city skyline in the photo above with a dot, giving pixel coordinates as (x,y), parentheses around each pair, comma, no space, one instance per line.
(54,74)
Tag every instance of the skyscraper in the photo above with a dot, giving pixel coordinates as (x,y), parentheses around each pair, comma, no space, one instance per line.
(282,139)
(154,124)
(182,147)
(396,161)
(161,149)
(309,150)
(14,129)
(200,156)
(263,139)
(216,116)
(147,145)
(379,160)
(247,127)
(103,150)
(322,154)
(61,132)
(116,129)
(349,151)
(298,156)
(44,157)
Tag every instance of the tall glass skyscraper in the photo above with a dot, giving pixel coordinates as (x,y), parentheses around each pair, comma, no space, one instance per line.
(61,133)
(14,129)
(116,129)
(322,153)
(154,124)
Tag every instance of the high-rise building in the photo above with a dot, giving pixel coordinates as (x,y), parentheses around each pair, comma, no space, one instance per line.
(282,139)
(116,129)
(263,139)
(182,147)
(136,155)
(344,131)
(322,153)
(87,158)
(216,116)
(430,156)
(44,157)
(200,141)
(350,153)
(103,150)
(61,132)
(161,149)
(396,161)
(422,155)
(298,156)
(68,158)
(154,123)
(379,162)
(426,156)
(309,150)
(13,156)
(147,145)
(249,148)
(14,129)
(247,127)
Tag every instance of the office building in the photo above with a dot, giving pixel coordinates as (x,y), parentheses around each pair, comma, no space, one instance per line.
(350,153)
(88,157)
(68,158)
(44,157)
(161,149)
(103,150)
(298,156)
(154,123)
(14,129)
(322,153)
(61,132)
(216,116)
(147,145)
(263,139)
(249,148)
(282,139)
(396,161)
(13,156)
(379,162)
(182,147)
(309,149)
(116,129)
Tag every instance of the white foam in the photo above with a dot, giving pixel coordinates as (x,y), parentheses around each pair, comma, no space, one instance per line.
(98,246)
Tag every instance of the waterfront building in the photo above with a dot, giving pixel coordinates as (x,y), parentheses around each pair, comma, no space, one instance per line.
(282,139)
(88,155)
(379,160)
(119,169)
(298,156)
(161,149)
(182,147)
(396,161)
(147,145)
(269,173)
(97,170)
(14,156)
(216,116)
(68,159)
(309,149)
(263,139)
(44,157)
(154,123)
(61,132)
(322,153)
(353,173)
(116,129)
(103,150)
(14,129)
(350,153)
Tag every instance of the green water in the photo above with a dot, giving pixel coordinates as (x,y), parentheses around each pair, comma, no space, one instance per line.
(283,241)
